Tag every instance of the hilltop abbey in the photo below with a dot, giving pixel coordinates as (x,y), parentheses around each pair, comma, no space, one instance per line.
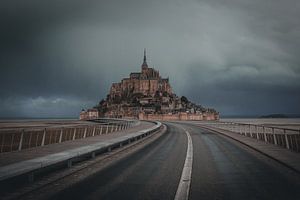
(146,95)
(146,83)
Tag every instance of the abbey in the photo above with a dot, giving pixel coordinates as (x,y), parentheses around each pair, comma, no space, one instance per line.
(146,95)
(147,82)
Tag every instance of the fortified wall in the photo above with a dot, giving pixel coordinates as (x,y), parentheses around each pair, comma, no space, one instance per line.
(179,117)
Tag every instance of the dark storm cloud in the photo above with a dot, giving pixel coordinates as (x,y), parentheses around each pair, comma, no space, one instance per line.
(239,56)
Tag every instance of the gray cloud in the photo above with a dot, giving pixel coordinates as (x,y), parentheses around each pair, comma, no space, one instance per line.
(238,56)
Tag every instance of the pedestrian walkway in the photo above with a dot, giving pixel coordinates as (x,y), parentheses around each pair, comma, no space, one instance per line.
(282,155)
(27,154)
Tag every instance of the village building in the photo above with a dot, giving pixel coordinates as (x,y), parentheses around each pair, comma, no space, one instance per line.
(89,114)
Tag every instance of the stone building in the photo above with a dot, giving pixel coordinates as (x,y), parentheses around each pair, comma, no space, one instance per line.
(147,82)
(89,114)
(146,95)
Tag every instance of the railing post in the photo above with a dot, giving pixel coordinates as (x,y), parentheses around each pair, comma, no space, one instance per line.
(250,131)
(286,139)
(43,139)
(84,135)
(94,129)
(74,134)
(106,129)
(265,135)
(21,140)
(274,136)
(256,129)
(60,135)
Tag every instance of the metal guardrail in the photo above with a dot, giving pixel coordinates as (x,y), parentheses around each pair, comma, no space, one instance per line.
(19,139)
(30,167)
(284,137)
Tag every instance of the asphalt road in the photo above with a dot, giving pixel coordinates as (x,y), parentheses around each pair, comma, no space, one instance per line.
(222,169)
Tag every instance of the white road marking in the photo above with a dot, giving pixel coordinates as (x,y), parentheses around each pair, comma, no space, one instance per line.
(186,176)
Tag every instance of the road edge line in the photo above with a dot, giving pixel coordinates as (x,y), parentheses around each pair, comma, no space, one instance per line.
(183,189)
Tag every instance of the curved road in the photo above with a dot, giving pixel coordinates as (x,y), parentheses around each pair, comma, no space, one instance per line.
(221,169)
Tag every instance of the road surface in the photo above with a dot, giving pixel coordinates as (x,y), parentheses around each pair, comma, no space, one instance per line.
(221,169)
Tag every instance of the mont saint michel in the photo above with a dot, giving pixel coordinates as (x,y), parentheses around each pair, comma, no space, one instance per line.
(145,95)
(150,99)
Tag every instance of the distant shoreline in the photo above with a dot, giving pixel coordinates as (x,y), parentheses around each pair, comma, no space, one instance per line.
(274,116)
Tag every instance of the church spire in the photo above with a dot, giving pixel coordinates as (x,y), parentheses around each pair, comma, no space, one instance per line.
(145,55)
(145,65)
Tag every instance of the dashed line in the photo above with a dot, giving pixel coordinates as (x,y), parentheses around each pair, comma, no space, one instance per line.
(183,189)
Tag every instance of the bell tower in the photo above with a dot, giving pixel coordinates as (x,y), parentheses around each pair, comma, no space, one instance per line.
(145,65)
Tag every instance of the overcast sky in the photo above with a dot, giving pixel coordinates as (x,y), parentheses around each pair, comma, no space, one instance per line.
(240,57)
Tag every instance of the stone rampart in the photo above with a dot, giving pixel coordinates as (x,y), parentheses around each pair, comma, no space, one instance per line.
(179,117)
